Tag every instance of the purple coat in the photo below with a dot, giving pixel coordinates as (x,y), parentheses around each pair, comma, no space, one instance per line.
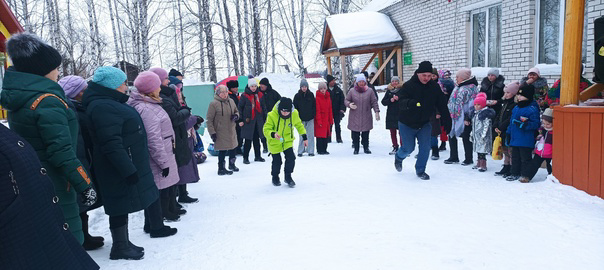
(360,119)
(189,173)
(160,138)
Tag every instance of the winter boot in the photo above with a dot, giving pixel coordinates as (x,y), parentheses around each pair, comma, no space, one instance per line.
(222,170)
(289,181)
(167,212)
(339,139)
(259,159)
(435,155)
(512,178)
(398,165)
(366,149)
(504,171)
(467,163)
(356,149)
(524,179)
(483,166)
(423,176)
(184,195)
(175,207)
(232,166)
(165,231)
(90,242)
(121,248)
(443,146)
(276,181)
(246,160)
(451,161)
(394,150)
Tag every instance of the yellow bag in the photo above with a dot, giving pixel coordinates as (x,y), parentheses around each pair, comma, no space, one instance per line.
(497,152)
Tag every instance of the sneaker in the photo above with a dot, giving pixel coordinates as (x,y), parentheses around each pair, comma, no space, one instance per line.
(451,161)
(311,155)
(394,150)
(276,181)
(299,155)
(398,165)
(512,178)
(423,176)
(259,159)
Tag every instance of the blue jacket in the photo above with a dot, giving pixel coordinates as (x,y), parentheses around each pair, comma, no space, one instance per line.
(522,134)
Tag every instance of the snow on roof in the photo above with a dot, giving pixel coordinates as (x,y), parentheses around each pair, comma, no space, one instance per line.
(377,5)
(362,28)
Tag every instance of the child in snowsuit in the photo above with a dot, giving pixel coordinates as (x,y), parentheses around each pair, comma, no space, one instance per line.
(501,123)
(543,148)
(521,131)
(279,131)
(482,131)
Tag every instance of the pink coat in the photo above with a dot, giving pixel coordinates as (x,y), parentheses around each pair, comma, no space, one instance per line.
(361,119)
(160,138)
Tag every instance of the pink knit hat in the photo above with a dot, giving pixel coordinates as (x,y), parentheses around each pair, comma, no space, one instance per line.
(464,74)
(534,70)
(481,99)
(162,73)
(146,82)
(512,87)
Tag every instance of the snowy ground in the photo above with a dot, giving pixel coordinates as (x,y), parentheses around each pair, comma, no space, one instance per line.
(357,212)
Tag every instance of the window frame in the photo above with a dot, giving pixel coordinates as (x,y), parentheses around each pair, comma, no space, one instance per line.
(484,9)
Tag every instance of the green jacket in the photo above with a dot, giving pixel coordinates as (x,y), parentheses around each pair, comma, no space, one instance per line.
(284,127)
(47,123)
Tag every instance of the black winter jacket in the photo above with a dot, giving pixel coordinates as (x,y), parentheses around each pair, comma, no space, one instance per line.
(430,99)
(306,105)
(179,116)
(503,118)
(271,97)
(494,90)
(337,102)
(392,112)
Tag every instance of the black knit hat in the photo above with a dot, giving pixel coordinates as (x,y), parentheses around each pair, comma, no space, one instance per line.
(174,72)
(527,91)
(265,82)
(232,84)
(424,67)
(329,78)
(285,104)
(32,55)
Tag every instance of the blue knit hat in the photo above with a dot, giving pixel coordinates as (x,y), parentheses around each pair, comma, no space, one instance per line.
(109,77)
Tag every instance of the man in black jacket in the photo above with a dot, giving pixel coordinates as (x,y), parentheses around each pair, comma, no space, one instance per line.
(418,99)
(337,105)
(271,97)
(233,86)
(305,103)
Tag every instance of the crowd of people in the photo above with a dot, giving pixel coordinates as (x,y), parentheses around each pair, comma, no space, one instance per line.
(102,144)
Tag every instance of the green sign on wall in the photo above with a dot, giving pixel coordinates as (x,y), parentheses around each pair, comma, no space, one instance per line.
(376,62)
(407,60)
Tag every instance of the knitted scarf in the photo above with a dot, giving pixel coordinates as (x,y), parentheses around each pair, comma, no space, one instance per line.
(255,100)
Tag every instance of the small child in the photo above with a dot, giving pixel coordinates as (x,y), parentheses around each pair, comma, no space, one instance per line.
(279,131)
(543,148)
(501,123)
(521,131)
(482,131)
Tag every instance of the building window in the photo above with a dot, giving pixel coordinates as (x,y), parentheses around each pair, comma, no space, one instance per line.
(551,23)
(486,37)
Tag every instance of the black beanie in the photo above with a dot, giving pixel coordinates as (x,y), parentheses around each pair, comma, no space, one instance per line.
(366,74)
(30,54)
(232,84)
(175,73)
(528,91)
(265,82)
(424,67)
(329,78)
(285,104)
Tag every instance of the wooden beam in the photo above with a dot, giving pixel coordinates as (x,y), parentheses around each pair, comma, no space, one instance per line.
(591,91)
(380,62)
(369,62)
(369,48)
(331,53)
(399,63)
(571,55)
(344,75)
(383,66)
(329,71)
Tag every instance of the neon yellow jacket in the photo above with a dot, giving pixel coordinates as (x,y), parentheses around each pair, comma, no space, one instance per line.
(283,127)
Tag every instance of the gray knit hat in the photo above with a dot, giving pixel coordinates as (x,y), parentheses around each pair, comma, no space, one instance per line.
(493,71)
(303,83)
(395,78)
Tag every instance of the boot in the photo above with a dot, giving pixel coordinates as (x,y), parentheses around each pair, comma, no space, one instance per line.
(339,139)
(232,166)
(524,179)
(121,248)
(512,178)
(423,176)
(246,160)
(259,159)
(483,166)
(167,212)
(289,181)
(443,146)
(366,149)
(467,163)
(398,165)
(504,171)
(451,161)
(175,207)
(90,242)
(165,231)
(435,155)
(184,195)
(394,150)
(276,181)
(222,170)
(356,149)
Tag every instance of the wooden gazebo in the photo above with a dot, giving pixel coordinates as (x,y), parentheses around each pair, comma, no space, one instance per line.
(361,33)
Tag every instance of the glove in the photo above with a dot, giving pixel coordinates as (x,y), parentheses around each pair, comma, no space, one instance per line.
(185,107)
(353,106)
(165,172)
(213,136)
(88,196)
(247,120)
(132,179)
(234,117)
(377,117)
(199,120)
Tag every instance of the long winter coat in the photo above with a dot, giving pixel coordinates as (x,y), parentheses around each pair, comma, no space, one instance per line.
(160,138)
(503,118)
(541,90)
(306,105)
(522,134)
(284,127)
(461,104)
(178,116)
(189,173)
(360,119)
(271,97)
(218,120)
(431,100)
(324,115)
(34,233)
(52,129)
(337,102)
(251,121)
(494,90)
(120,150)
(392,112)
(482,130)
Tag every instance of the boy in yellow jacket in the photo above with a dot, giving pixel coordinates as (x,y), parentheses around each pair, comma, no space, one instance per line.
(279,132)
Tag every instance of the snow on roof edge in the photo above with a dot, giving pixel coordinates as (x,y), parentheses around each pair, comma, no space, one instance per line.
(352,30)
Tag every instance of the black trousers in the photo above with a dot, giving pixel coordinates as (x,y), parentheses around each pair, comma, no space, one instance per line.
(336,124)
(223,153)
(322,145)
(248,145)
(290,162)
(153,215)
(117,221)
(521,160)
(364,136)
(536,164)
(239,140)
(467,145)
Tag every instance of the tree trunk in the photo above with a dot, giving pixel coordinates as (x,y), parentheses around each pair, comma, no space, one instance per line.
(119,32)
(227,18)
(26,16)
(93,37)
(69,46)
(224,38)
(200,25)
(334,8)
(175,30)
(349,72)
(300,52)
(239,38)
(182,39)
(209,39)
(270,21)
(146,58)
(99,47)
(257,39)
(115,37)
(248,47)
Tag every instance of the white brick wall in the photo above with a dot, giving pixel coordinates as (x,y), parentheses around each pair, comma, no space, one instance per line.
(439,31)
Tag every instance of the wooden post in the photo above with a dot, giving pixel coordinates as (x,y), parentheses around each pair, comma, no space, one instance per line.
(383,66)
(345,85)
(329,71)
(571,56)
(399,63)
(380,63)
(369,62)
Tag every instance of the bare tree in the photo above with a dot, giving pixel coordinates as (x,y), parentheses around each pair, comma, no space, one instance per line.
(201,26)
(290,27)
(182,39)
(270,22)
(224,37)
(239,37)
(113,28)
(229,30)
(144,32)
(205,14)
(248,47)
(257,38)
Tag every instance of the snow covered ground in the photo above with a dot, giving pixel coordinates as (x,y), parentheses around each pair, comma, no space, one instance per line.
(357,212)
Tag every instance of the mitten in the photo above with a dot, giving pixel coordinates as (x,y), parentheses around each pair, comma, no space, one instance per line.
(88,196)
(165,172)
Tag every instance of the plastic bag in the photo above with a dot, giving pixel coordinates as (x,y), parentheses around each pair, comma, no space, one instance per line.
(497,151)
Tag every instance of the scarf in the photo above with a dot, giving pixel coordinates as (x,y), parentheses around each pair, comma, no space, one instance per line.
(255,100)
(360,89)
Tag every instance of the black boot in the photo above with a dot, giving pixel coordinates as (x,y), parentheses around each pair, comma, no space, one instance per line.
(232,166)
(259,159)
(443,146)
(175,207)
(121,248)
(246,160)
(504,171)
(423,176)
(366,150)
(398,165)
(184,195)
(276,181)
(435,155)
(167,212)
(90,242)
(356,150)
(165,231)
(222,170)
(289,181)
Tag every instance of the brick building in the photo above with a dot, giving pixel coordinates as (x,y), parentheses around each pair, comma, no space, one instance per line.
(512,35)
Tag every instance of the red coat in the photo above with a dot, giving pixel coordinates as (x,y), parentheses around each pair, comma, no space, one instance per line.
(324,116)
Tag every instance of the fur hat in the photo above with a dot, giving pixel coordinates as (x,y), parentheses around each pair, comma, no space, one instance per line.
(175,73)
(146,82)
(329,78)
(481,99)
(161,73)
(464,74)
(512,87)
(494,72)
(232,84)
(72,85)
(534,70)
(424,67)
(548,115)
(527,91)
(30,54)
(285,104)
(303,83)
(251,81)
(110,77)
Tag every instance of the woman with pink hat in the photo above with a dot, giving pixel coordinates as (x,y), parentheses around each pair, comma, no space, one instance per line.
(540,83)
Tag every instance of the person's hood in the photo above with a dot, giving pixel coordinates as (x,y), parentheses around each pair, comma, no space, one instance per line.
(19,88)
(96,92)
(469,81)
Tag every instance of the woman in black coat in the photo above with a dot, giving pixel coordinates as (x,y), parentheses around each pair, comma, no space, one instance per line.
(251,107)
(493,85)
(391,101)
(34,233)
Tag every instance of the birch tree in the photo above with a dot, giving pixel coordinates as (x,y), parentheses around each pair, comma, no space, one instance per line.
(239,37)
(201,26)
(295,38)
(144,34)
(257,38)
(229,30)
(113,28)
(182,39)
(248,47)
(209,39)
(224,38)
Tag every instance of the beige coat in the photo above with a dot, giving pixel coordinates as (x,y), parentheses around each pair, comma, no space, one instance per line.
(219,122)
